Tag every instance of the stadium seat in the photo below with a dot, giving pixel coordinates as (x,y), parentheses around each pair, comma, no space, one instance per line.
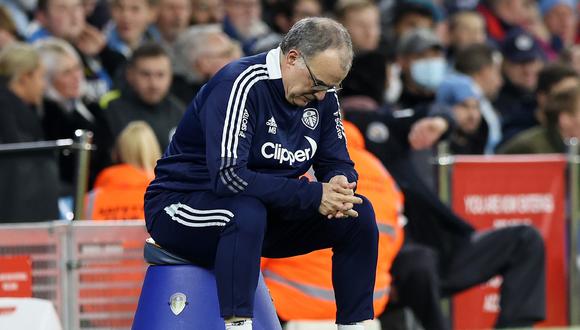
(179,295)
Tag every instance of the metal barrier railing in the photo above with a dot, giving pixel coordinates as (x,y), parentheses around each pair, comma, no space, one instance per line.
(445,161)
(574,264)
(91,270)
(82,145)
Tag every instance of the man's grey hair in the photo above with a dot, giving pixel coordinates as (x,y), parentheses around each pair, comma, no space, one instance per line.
(313,35)
(51,51)
(190,45)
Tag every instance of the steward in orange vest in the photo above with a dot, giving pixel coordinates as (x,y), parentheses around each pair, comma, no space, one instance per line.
(301,286)
(118,193)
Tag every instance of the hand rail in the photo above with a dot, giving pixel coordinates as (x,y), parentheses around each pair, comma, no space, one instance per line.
(82,144)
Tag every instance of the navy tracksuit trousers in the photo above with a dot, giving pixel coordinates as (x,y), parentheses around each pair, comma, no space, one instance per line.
(230,234)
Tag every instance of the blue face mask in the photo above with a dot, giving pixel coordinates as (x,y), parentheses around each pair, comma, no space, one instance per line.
(429,73)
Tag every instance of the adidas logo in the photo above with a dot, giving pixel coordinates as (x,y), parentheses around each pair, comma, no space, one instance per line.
(271,123)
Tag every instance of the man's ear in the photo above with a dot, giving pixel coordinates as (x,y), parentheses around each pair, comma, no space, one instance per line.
(292,57)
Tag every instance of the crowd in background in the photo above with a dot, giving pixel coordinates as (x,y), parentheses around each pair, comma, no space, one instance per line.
(480,73)
(489,76)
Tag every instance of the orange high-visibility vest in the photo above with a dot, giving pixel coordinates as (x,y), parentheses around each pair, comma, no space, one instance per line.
(118,194)
(301,286)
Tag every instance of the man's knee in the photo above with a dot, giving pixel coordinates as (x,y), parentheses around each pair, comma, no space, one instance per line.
(250,215)
(366,217)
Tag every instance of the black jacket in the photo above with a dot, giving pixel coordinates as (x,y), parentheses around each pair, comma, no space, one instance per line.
(517,109)
(59,123)
(162,117)
(28,180)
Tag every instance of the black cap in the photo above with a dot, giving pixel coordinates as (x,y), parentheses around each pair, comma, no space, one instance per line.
(520,46)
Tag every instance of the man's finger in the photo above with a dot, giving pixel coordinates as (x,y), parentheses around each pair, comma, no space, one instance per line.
(351,213)
(343,191)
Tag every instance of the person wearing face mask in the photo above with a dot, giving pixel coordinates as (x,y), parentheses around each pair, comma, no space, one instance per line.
(423,67)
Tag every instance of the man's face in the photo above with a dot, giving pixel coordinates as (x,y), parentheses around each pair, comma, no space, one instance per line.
(305,8)
(561,21)
(35,83)
(68,78)
(523,75)
(364,27)
(491,80)
(64,18)
(207,11)
(173,17)
(326,68)
(219,51)
(570,123)
(467,115)
(243,14)
(470,29)
(412,21)
(132,18)
(151,78)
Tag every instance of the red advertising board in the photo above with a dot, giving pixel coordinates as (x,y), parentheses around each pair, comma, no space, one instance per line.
(15,276)
(505,191)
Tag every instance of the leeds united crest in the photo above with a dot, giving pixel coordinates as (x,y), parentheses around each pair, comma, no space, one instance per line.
(177,302)
(310,118)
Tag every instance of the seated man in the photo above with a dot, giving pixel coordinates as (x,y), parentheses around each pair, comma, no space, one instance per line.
(227,190)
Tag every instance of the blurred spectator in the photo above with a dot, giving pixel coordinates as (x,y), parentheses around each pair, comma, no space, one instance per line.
(19,12)
(243,23)
(65,19)
(66,109)
(8,33)
(132,25)
(483,64)
(571,56)
(119,189)
(553,78)
(561,20)
(459,94)
(465,28)
(501,16)
(146,97)
(361,19)
(283,16)
(562,112)
(173,19)
(29,188)
(207,11)
(364,86)
(523,60)
(286,13)
(409,15)
(200,52)
(423,67)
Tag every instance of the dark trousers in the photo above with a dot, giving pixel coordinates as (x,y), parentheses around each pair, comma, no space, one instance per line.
(230,234)
(516,253)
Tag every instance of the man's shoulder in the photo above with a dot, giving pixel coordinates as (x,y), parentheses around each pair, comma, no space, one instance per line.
(529,141)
